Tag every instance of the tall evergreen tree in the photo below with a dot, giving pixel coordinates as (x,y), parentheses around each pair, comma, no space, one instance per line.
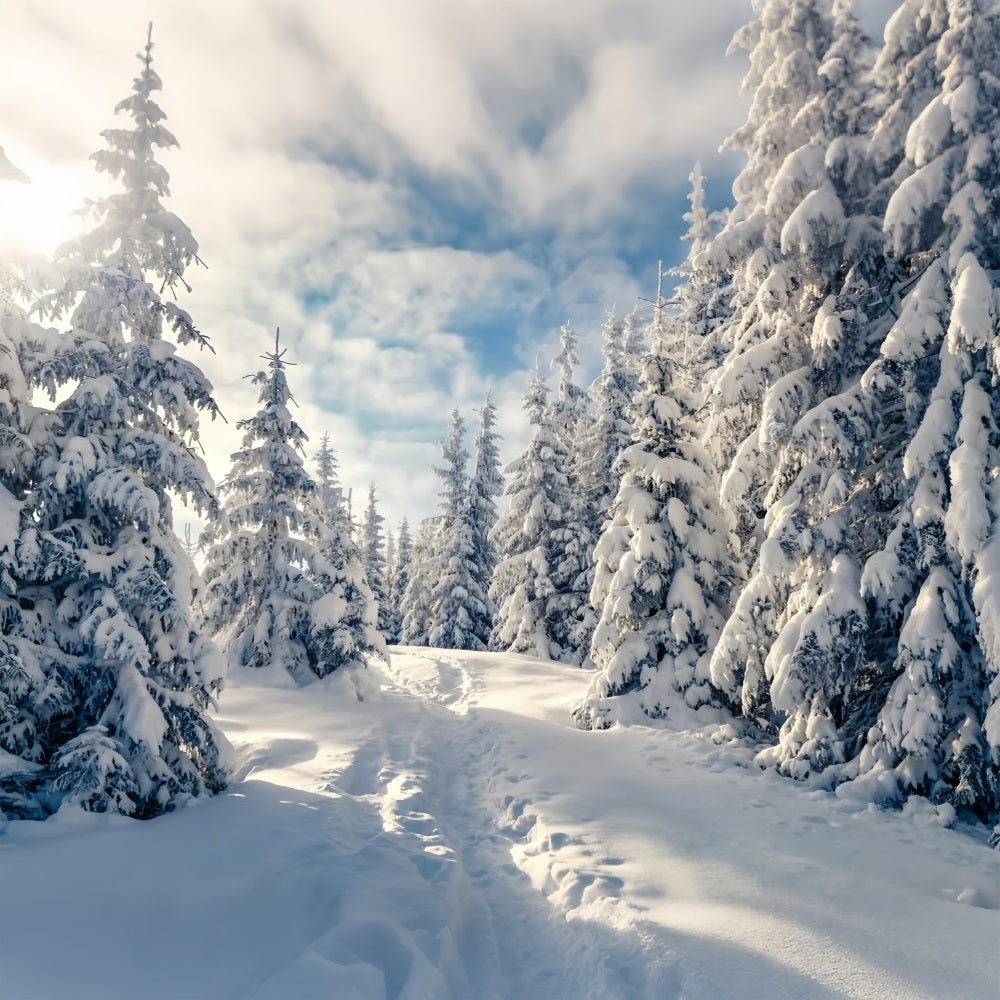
(276,594)
(121,674)
(935,576)
(486,485)
(375,564)
(415,604)
(330,494)
(571,539)
(522,585)
(400,574)
(613,391)
(24,430)
(459,607)
(664,575)
(767,335)
(798,637)
(394,621)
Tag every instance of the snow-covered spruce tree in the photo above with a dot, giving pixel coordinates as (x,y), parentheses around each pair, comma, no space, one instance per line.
(486,485)
(399,574)
(394,621)
(571,540)
(522,586)
(460,615)
(664,574)
(936,576)
(375,567)
(612,392)
(330,493)
(767,333)
(24,430)
(703,290)
(107,639)
(798,639)
(416,590)
(278,594)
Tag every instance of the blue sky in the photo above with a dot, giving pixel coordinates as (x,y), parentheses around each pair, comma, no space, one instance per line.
(418,192)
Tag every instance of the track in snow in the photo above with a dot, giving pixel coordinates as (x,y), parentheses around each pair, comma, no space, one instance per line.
(446,800)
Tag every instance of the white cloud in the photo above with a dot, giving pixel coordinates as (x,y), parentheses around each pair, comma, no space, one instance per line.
(327,151)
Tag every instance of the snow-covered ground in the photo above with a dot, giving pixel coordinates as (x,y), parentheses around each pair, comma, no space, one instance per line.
(453,836)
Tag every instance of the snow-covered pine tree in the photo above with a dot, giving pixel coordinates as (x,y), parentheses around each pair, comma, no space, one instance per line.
(394,622)
(23,431)
(121,673)
(664,574)
(571,539)
(486,485)
(522,586)
(612,393)
(390,557)
(330,493)
(373,546)
(282,591)
(798,637)
(768,331)
(935,578)
(703,290)
(400,574)
(416,591)
(459,613)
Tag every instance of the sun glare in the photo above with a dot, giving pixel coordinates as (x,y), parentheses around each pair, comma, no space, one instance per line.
(35,217)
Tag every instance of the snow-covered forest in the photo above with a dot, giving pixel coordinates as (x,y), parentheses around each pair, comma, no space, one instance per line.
(764,542)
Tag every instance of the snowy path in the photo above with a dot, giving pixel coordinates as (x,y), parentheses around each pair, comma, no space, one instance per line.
(456,837)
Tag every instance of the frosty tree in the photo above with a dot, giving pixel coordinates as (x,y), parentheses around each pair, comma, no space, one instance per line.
(486,485)
(373,547)
(459,610)
(522,584)
(400,574)
(22,428)
(393,620)
(114,674)
(612,392)
(570,542)
(664,578)
(415,603)
(283,591)
(330,493)
(797,639)
(935,577)
(767,335)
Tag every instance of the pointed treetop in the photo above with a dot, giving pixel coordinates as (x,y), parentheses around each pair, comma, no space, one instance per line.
(275,360)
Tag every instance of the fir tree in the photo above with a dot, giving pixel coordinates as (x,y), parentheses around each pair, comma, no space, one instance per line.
(522,585)
(767,335)
(24,429)
(415,604)
(331,497)
(664,578)
(570,542)
(400,574)
(934,577)
(798,635)
(118,674)
(612,392)
(459,607)
(375,567)
(486,485)
(283,590)
(394,621)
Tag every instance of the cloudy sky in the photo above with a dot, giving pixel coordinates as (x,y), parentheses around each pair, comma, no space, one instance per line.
(418,192)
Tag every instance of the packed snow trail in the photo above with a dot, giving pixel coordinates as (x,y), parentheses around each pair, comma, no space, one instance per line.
(453,836)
